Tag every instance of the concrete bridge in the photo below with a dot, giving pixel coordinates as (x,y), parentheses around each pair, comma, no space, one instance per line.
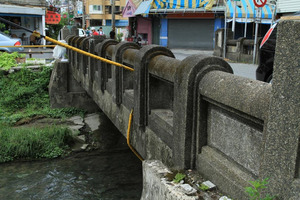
(195,114)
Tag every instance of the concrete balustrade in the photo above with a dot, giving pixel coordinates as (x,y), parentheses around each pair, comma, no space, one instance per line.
(238,50)
(193,113)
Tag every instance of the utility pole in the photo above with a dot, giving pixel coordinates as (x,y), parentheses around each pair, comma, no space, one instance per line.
(83,15)
(113,20)
(68,12)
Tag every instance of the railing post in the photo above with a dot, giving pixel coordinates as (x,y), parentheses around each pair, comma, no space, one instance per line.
(102,66)
(187,79)
(281,150)
(91,61)
(141,81)
(118,72)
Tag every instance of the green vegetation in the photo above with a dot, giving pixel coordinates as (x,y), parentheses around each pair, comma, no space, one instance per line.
(8,60)
(203,187)
(256,189)
(3,29)
(48,142)
(24,95)
(179,177)
(119,37)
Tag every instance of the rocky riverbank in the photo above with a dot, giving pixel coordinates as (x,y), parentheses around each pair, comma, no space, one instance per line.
(91,132)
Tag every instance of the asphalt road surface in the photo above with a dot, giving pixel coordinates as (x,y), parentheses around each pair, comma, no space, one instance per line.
(240,69)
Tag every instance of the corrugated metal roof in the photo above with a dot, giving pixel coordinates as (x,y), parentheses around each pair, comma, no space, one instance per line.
(284,6)
(143,8)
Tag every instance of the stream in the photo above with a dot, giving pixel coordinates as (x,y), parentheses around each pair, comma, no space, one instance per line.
(112,175)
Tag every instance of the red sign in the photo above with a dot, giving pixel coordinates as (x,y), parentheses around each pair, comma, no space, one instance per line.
(52,17)
(259,3)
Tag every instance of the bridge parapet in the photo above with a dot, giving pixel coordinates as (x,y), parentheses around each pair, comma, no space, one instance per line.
(188,114)
(183,110)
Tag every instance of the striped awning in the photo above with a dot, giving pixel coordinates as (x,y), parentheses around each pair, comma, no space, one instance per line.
(143,8)
(247,7)
(183,4)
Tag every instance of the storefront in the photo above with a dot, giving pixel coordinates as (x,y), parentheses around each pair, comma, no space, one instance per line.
(186,24)
(247,16)
(23,16)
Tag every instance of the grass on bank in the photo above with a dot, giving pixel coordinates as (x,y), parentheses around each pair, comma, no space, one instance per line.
(8,60)
(48,142)
(24,96)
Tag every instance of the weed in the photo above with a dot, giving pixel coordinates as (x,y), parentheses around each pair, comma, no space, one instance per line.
(203,187)
(48,142)
(256,189)
(179,177)
(24,94)
(8,60)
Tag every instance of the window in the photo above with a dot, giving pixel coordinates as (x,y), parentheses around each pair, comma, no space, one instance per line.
(95,22)
(107,9)
(96,9)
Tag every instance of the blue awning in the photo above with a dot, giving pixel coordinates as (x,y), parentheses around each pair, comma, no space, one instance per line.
(118,23)
(247,7)
(143,8)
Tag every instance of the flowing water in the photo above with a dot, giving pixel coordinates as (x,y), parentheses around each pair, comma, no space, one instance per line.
(112,175)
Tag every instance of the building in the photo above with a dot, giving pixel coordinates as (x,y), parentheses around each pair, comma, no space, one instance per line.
(247,17)
(177,24)
(99,13)
(27,13)
(285,7)
(193,23)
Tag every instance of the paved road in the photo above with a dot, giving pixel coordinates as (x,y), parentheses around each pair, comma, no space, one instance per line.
(240,69)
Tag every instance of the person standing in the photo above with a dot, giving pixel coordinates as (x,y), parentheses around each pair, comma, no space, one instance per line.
(101,31)
(87,32)
(112,34)
(34,40)
(94,32)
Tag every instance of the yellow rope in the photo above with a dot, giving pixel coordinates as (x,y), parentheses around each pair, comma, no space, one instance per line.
(87,53)
(30,46)
(128,137)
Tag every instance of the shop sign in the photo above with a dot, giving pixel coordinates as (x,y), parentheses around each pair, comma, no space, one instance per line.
(52,17)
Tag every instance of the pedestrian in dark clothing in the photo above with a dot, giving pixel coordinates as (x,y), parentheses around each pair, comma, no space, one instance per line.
(112,34)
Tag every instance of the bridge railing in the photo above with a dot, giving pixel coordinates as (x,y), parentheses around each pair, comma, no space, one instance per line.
(232,115)
(195,111)
(196,114)
(162,90)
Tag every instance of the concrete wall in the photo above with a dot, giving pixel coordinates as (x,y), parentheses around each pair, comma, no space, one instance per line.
(195,114)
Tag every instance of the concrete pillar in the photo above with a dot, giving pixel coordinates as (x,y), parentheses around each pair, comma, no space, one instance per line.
(281,150)
(65,91)
(44,28)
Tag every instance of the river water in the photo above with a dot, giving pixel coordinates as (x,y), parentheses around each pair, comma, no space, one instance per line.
(110,175)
